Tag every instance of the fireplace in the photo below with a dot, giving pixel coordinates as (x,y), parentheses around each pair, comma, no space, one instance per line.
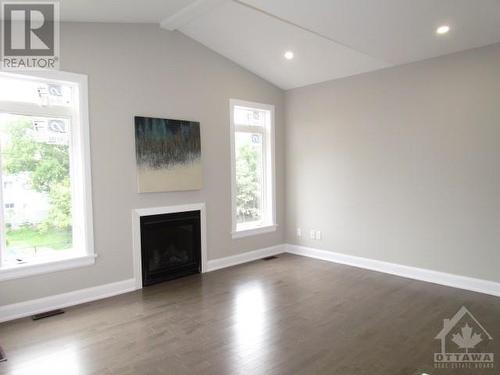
(170,246)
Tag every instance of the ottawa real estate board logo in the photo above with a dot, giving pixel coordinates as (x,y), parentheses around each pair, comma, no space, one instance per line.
(30,35)
(465,343)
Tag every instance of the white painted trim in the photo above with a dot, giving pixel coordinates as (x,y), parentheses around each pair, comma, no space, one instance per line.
(59,264)
(136,233)
(233,164)
(28,308)
(80,170)
(189,13)
(254,231)
(86,185)
(36,306)
(248,256)
(269,161)
(435,277)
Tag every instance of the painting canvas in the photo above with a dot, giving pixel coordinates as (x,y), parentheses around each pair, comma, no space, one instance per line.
(168,154)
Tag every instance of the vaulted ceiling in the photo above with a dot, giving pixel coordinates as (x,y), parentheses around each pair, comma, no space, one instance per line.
(329,38)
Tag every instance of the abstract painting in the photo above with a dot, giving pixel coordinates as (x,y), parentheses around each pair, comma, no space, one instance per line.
(168,154)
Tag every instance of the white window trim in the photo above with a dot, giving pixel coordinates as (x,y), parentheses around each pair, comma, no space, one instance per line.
(270,170)
(82,210)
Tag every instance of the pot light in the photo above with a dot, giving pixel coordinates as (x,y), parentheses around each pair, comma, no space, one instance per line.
(288,55)
(443,29)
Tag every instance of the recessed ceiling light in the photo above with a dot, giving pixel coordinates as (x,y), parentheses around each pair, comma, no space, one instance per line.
(288,55)
(443,29)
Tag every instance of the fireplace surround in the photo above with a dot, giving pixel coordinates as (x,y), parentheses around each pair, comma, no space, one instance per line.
(162,240)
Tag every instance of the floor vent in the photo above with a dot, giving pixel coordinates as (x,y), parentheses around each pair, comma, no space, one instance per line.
(270,258)
(47,314)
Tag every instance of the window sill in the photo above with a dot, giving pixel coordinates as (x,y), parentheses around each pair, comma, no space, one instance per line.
(37,268)
(254,231)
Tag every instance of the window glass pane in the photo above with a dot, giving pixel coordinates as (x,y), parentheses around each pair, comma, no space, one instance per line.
(31,91)
(249,177)
(35,161)
(248,116)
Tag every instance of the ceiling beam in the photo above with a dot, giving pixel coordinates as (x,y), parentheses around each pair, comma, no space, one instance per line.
(189,13)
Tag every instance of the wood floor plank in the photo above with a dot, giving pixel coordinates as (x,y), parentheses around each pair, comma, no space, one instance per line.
(290,315)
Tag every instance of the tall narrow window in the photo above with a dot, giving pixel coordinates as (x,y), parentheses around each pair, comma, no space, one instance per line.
(252,149)
(45,210)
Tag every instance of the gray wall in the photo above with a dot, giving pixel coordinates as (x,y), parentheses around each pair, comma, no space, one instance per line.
(401,165)
(142,70)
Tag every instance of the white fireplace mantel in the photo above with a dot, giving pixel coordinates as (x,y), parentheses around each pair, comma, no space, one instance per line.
(136,233)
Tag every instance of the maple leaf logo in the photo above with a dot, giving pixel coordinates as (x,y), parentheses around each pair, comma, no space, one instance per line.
(466,340)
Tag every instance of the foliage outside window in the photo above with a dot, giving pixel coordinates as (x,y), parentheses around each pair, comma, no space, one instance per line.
(38,176)
(42,172)
(253,198)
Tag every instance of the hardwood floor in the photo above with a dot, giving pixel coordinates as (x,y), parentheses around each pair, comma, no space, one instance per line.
(290,315)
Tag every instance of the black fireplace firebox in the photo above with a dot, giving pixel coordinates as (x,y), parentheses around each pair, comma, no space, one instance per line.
(170,246)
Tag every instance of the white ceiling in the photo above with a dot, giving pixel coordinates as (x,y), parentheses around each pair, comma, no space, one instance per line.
(330,38)
(122,11)
(396,31)
(257,42)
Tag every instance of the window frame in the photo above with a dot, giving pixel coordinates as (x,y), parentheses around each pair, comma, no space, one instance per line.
(269,200)
(80,174)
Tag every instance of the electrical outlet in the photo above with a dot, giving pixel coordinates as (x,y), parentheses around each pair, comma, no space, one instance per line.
(318,235)
(299,232)
(312,234)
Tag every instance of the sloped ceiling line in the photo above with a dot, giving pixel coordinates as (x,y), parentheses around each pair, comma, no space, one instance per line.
(189,13)
(201,7)
(330,39)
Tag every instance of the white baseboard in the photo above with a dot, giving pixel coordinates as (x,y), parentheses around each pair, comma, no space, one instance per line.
(436,277)
(28,308)
(59,301)
(249,256)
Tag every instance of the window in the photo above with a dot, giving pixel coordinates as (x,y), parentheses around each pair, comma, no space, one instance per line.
(252,157)
(45,204)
